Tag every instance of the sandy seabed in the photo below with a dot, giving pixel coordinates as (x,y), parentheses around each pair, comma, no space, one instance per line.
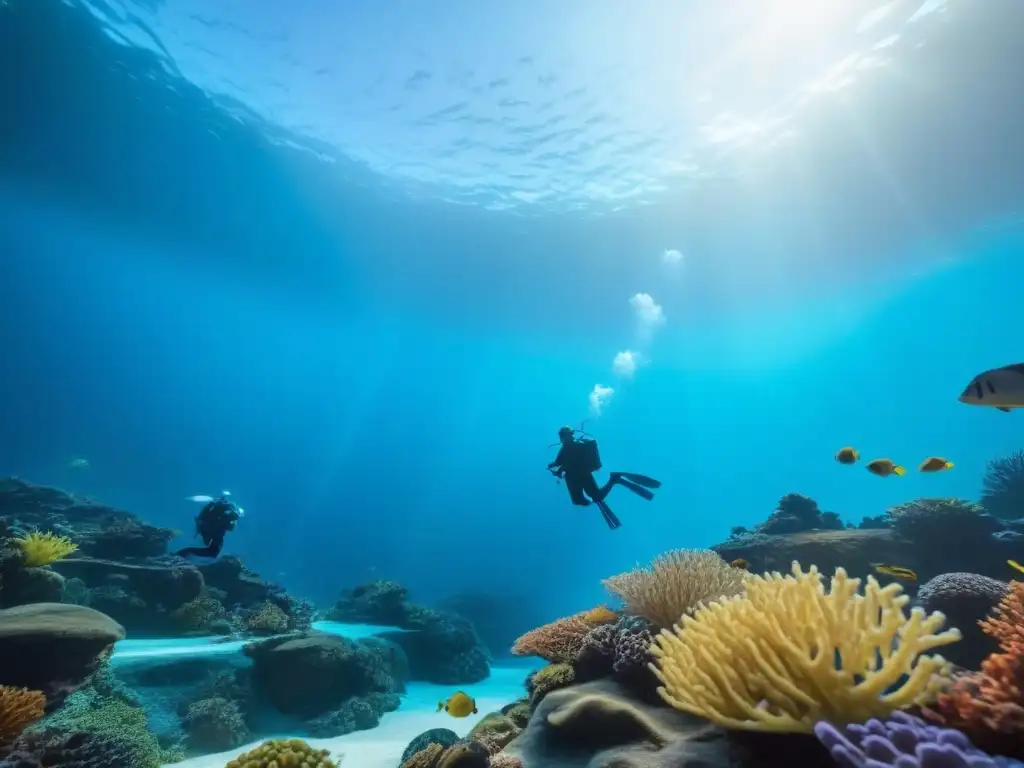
(380,747)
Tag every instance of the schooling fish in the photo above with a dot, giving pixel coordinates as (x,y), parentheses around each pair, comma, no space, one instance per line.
(895,571)
(458,705)
(1015,564)
(740,563)
(885,467)
(847,455)
(935,464)
(1000,388)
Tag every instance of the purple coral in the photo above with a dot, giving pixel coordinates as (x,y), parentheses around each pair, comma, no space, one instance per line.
(904,741)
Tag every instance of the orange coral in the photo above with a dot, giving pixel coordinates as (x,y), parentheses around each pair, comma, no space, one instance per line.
(989,705)
(561,641)
(1007,625)
(19,708)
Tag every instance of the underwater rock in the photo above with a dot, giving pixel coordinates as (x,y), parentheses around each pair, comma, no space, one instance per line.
(53,647)
(796,513)
(50,748)
(31,585)
(360,713)
(379,602)
(598,723)
(168,585)
(444,650)
(1002,492)
(313,674)
(444,647)
(128,539)
(852,548)
(965,599)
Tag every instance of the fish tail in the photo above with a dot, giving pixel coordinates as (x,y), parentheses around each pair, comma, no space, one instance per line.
(440,706)
(949,465)
(898,470)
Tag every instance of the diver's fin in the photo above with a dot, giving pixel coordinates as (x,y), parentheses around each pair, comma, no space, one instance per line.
(644,480)
(641,492)
(609,516)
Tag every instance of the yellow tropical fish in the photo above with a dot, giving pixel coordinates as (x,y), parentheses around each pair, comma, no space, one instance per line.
(885,467)
(896,571)
(1015,564)
(847,455)
(935,464)
(458,705)
(740,563)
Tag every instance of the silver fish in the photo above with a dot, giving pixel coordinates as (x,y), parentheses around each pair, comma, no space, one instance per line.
(1001,388)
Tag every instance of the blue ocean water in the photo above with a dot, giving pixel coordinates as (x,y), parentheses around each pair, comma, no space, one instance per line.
(359,265)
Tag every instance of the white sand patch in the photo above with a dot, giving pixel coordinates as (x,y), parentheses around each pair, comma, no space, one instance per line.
(382,746)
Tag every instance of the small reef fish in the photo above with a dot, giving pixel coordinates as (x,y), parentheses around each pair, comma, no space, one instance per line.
(935,464)
(895,571)
(885,467)
(79,463)
(458,705)
(1000,388)
(847,455)
(739,562)
(1015,564)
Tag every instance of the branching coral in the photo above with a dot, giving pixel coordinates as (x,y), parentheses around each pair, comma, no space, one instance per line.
(44,548)
(19,708)
(284,753)
(1007,625)
(562,640)
(989,705)
(1002,493)
(675,584)
(789,654)
(935,518)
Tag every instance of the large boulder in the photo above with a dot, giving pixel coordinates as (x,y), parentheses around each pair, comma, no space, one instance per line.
(53,647)
(313,674)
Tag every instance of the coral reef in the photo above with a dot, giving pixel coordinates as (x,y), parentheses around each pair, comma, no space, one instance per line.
(284,753)
(59,749)
(620,651)
(561,641)
(443,648)
(120,566)
(989,705)
(903,741)
(465,753)
(675,584)
(964,599)
(766,660)
(1002,493)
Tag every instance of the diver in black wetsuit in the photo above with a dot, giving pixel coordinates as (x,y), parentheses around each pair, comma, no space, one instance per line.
(212,524)
(577,460)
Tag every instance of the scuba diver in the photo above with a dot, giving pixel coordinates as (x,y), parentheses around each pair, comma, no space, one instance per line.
(576,462)
(212,524)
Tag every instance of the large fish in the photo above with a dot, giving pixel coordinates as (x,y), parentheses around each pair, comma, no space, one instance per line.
(1001,388)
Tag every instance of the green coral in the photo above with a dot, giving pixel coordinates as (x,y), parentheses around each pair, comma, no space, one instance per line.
(519,712)
(198,614)
(548,679)
(116,720)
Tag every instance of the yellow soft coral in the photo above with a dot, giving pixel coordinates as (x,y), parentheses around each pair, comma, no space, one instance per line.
(283,753)
(44,548)
(788,654)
